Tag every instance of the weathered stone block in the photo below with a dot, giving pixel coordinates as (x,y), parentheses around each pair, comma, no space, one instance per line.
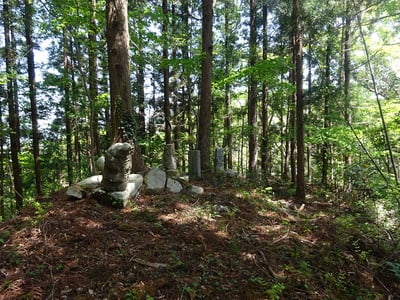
(174,186)
(120,199)
(194,164)
(155,180)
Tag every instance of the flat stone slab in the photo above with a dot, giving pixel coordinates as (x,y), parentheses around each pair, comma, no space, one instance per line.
(82,188)
(155,180)
(120,199)
(91,182)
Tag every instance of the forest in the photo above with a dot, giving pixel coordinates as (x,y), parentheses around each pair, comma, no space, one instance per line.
(302,97)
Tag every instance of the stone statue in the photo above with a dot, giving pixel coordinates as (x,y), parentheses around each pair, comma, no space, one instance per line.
(117,167)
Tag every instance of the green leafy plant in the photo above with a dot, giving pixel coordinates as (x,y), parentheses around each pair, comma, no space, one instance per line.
(259,281)
(134,294)
(395,268)
(276,290)
(59,267)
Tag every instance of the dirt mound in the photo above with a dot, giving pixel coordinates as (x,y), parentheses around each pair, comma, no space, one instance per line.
(224,244)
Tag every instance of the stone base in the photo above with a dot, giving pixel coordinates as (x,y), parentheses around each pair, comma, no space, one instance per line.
(81,189)
(123,198)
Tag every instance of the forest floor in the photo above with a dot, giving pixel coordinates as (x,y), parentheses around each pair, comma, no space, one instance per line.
(232,242)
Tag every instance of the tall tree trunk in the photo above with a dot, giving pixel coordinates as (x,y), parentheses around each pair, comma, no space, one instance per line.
(228,138)
(93,87)
(76,126)
(298,59)
(104,89)
(67,108)
(118,67)
(204,141)
(264,100)
(167,113)
(174,95)
(13,117)
(252,92)
(284,142)
(309,149)
(141,132)
(187,94)
(32,95)
(346,91)
(2,157)
(326,146)
(291,123)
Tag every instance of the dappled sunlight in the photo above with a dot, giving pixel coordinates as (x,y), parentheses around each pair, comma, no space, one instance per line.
(227,241)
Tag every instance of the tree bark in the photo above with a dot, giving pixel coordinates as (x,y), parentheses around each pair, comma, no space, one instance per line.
(265,155)
(228,138)
(67,108)
(13,117)
(187,89)
(141,132)
(118,67)
(298,59)
(93,86)
(346,91)
(326,147)
(32,96)
(2,156)
(252,92)
(167,113)
(205,86)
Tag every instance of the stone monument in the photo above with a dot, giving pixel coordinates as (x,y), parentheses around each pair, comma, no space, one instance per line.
(169,160)
(194,164)
(117,166)
(219,161)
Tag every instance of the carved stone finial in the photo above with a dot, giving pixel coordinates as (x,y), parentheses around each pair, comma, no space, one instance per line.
(117,166)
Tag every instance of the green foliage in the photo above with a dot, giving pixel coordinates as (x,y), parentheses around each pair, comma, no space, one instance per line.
(264,70)
(395,268)
(136,294)
(275,291)
(152,149)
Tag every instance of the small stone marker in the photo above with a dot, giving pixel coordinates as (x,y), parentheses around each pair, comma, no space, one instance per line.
(219,160)
(169,160)
(194,164)
(155,180)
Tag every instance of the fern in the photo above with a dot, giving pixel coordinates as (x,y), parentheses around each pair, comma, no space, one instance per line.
(395,268)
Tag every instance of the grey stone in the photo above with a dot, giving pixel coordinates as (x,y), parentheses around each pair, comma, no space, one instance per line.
(91,182)
(174,186)
(75,191)
(194,164)
(196,189)
(117,166)
(169,159)
(219,161)
(155,180)
(221,208)
(120,199)
(230,173)
(100,164)
(82,188)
